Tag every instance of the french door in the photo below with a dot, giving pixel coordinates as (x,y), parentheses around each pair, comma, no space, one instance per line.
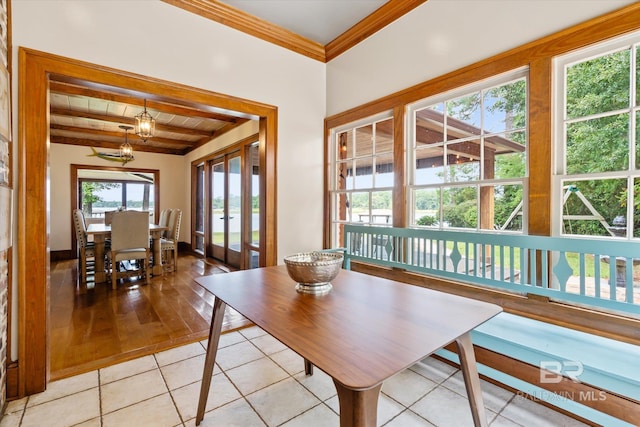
(234,204)
(226,208)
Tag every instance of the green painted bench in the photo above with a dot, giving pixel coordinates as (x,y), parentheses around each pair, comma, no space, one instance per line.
(566,271)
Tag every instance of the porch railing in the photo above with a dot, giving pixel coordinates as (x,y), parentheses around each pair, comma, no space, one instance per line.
(596,273)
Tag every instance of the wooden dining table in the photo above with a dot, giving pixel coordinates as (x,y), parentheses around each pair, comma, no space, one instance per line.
(365,330)
(102,232)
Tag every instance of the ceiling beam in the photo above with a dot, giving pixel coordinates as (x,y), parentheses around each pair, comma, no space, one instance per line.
(132,140)
(55,139)
(164,107)
(127,121)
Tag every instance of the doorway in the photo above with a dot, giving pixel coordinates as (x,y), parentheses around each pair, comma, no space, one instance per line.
(226,208)
(32,235)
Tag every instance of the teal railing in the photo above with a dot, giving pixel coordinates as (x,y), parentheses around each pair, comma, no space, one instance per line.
(597,273)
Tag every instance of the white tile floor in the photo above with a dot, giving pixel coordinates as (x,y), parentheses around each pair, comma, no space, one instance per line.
(258,382)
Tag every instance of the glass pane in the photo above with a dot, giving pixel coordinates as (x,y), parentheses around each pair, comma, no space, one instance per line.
(364,141)
(99,197)
(384,136)
(598,85)
(254,259)
(460,207)
(344,149)
(360,207)
(637,139)
(342,207)
(382,207)
(234,203)
(254,158)
(464,115)
(505,156)
(463,159)
(139,197)
(430,125)
(591,206)
(384,171)
(344,180)
(217,203)
(364,173)
(598,145)
(507,200)
(505,107)
(426,207)
(199,225)
(636,208)
(638,75)
(429,166)
(200,244)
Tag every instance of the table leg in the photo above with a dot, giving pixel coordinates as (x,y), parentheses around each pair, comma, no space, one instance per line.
(157,253)
(209,361)
(358,408)
(308,367)
(100,274)
(471,379)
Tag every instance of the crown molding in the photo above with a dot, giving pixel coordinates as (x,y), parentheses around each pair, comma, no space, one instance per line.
(249,24)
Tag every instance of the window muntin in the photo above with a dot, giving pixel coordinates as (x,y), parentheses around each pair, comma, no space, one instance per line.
(597,139)
(363,175)
(469,148)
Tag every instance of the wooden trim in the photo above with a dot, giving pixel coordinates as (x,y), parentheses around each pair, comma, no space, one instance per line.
(264,30)
(383,16)
(399,169)
(12,381)
(539,129)
(32,238)
(235,18)
(63,255)
(613,24)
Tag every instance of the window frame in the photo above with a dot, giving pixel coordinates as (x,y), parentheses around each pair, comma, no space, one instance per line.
(410,150)
(561,63)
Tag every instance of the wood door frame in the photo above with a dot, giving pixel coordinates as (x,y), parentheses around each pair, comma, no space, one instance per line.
(34,71)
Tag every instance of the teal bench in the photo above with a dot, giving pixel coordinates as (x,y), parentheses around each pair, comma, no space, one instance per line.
(508,264)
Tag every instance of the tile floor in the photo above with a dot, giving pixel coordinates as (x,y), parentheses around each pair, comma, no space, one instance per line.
(258,382)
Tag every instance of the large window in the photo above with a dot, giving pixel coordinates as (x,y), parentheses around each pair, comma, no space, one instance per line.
(362,176)
(102,190)
(467,157)
(597,135)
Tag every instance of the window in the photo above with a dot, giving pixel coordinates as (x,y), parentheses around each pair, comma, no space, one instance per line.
(362,175)
(115,190)
(598,156)
(467,157)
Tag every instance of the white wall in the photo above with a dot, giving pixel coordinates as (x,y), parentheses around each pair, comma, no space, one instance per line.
(61,158)
(188,49)
(442,36)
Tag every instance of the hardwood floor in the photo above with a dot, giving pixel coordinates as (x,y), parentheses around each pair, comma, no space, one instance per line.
(92,326)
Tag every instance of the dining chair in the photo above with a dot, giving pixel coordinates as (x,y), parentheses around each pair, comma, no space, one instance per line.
(85,248)
(163,220)
(108,216)
(129,241)
(170,242)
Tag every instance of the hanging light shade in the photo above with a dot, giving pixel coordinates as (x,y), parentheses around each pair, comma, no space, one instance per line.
(126,150)
(145,124)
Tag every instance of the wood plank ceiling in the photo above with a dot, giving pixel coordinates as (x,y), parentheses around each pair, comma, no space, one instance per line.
(83,113)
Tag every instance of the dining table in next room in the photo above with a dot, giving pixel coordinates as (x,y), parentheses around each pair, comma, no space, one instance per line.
(102,232)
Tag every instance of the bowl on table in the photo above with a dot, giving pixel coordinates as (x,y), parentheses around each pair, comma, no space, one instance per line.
(314,271)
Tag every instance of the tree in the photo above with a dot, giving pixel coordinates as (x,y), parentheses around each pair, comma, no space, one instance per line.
(90,191)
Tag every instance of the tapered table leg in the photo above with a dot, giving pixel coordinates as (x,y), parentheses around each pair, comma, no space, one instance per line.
(471,379)
(210,359)
(358,408)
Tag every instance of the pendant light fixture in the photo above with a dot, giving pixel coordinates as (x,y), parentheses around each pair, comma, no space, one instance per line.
(126,150)
(145,124)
